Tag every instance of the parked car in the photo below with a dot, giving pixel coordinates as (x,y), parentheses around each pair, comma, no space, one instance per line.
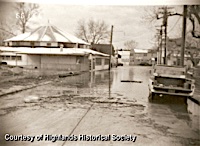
(120,64)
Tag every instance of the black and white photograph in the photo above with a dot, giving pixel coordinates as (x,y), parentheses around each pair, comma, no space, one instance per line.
(99,73)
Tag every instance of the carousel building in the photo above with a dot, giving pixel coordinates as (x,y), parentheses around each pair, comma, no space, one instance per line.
(48,48)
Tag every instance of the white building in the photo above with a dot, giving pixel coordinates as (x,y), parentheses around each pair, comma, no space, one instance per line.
(139,56)
(71,59)
(48,48)
(125,57)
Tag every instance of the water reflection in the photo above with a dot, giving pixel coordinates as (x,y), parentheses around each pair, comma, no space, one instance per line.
(137,91)
(92,83)
(105,84)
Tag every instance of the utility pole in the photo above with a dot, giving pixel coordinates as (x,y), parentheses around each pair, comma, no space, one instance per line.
(165,18)
(160,46)
(158,49)
(161,38)
(165,14)
(183,35)
(111,36)
(109,77)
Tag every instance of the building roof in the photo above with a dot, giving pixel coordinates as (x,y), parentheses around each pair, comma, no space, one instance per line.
(103,48)
(140,51)
(51,51)
(124,53)
(47,33)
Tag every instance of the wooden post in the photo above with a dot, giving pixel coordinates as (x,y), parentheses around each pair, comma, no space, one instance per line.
(183,35)
(109,77)
(111,35)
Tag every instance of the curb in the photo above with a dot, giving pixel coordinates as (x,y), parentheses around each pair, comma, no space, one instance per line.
(194,100)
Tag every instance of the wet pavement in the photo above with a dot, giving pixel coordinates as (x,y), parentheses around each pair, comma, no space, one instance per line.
(98,103)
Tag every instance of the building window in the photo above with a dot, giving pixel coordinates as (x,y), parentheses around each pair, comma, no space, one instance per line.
(98,61)
(69,45)
(48,44)
(17,44)
(7,57)
(13,57)
(18,57)
(107,61)
(32,44)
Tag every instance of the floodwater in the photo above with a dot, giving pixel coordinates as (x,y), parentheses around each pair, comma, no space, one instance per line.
(179,120)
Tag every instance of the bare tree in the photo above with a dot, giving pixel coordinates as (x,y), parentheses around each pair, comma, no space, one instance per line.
(92,31)
(194,17)
(152,14)
(129,45)
(21,22)
(7,24)
(192,41)
(6,31)
(25,11)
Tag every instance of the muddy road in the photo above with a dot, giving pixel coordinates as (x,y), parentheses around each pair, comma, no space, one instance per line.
(59,111)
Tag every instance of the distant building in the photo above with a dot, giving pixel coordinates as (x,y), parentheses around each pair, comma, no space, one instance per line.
(106,49)
(124,56)
(174,52)
(138,56)
(103,48)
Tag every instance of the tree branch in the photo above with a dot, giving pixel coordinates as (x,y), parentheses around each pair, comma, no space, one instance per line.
(193,28)
(93,31)
(11,33)
(26,12)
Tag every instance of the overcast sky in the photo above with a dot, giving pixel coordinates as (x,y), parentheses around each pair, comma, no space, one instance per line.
(128,21)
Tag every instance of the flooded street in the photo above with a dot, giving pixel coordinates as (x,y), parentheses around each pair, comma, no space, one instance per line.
(99,103)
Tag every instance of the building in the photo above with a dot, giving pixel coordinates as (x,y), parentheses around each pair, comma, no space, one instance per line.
(139,56)
(103,48)
(106,49)
(48,48)
(174,52)
(124,57)
(70,59)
